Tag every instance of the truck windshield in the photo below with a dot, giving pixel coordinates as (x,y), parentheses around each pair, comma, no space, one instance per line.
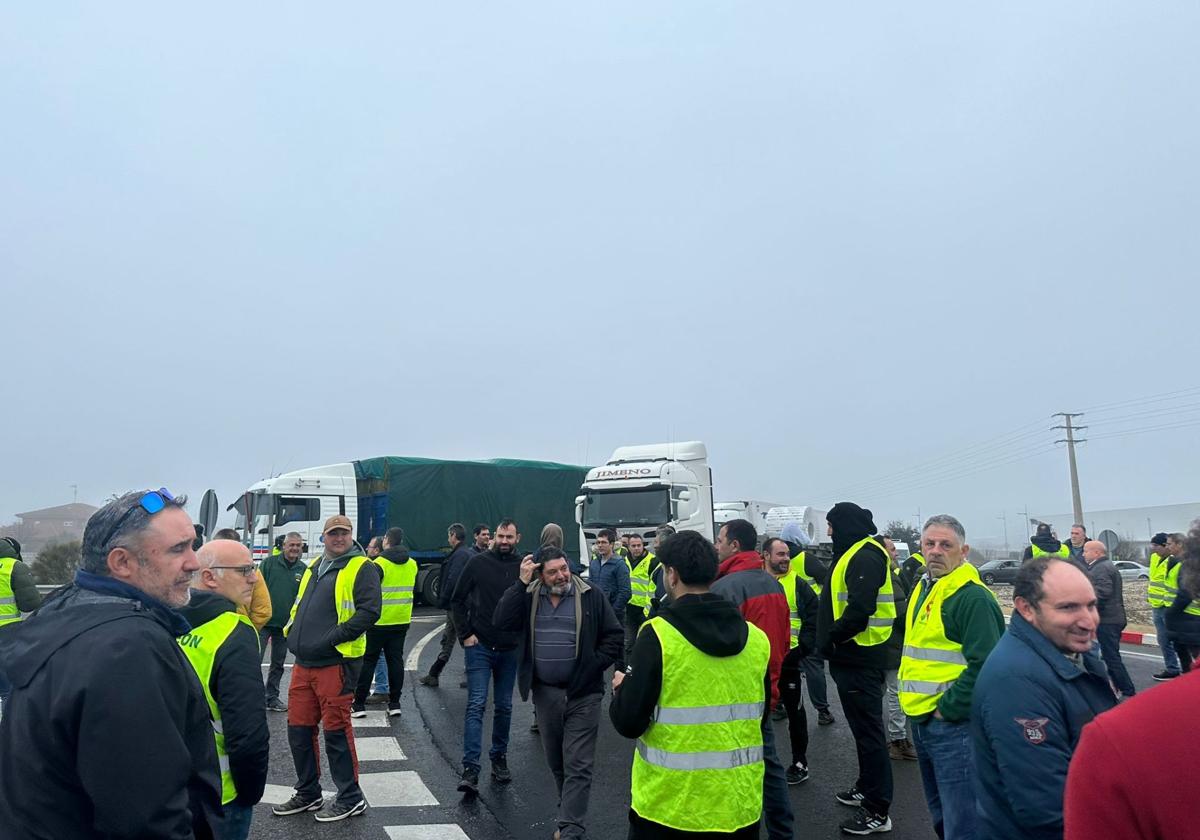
(627,507)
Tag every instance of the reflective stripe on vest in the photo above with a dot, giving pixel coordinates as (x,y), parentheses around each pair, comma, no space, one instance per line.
(1063,551)
(8,601)
(1156,593)
(798,565)
(788,582)
(705,737)
(343,598)
(1171,587)
(931,662)
(398,582)
(879,625)
(200,645)
(639,582)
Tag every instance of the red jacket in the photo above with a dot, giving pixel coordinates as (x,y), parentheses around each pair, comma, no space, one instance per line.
(1129,777)
(761,600)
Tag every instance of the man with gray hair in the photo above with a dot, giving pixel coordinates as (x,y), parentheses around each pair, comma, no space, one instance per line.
(1110,605)
(952,624)
(108,731)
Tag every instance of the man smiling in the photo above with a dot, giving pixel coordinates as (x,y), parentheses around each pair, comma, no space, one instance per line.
(1038,688)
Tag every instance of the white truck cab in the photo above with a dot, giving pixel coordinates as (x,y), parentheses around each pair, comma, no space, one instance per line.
(298,501)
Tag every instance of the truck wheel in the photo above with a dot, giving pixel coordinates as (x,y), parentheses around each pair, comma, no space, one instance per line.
(431,586)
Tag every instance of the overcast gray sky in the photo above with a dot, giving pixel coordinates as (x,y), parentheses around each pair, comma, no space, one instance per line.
(833,242)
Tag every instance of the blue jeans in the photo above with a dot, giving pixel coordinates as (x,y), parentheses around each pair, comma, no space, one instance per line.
(947,762)
(381,677)
(1170,657)
(236,823)
(499,667)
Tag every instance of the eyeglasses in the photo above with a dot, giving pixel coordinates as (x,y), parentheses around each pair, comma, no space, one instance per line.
(246,571)
(152,502)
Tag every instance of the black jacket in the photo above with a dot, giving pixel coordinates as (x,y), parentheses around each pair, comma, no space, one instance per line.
(895,642)
(236,685)
(452,568)
(1050,545)
(865,575)
(316,631)
(484,579)
(1110,589)
(807,605)
(107,734)
(599,636)
(1182,627)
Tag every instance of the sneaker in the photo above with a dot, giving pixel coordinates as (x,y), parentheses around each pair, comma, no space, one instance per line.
(500,770)
(850,797)
(778,713)
(469,783)
(377,698)
(910,750)
(902,749)
(358,710)
(276,706)
(864,822)
(430,680)
(296,805)
(1163,676)
(824,717)
(393,710)
(335,811)
(797,774)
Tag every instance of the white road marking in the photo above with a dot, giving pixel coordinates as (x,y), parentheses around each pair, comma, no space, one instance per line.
(267,665)
(1142,655)
(403,788)
(278,794)
(372,719)
(414,656)
(378,749)
(442,831)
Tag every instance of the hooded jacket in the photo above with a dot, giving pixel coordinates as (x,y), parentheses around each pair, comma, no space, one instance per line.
(761,600)
(316,631)
(24,586)
(1046,542)
(236,686)
(108,733)
(866,573)
(599,637)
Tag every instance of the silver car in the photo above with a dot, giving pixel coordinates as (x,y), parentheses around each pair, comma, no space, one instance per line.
(1132,571)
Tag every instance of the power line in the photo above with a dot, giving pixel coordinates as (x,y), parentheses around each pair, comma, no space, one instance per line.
(1146,429)
(1153,398)
(1154,412)
(965,474)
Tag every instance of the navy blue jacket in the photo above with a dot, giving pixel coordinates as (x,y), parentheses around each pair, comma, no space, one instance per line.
(452,567)
(612,578)
(1029,706)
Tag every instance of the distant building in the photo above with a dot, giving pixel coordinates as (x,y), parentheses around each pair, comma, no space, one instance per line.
(1131,525)
(36,528)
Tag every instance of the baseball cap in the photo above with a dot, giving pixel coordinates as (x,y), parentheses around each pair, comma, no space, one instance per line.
(337,521)
(1159,539)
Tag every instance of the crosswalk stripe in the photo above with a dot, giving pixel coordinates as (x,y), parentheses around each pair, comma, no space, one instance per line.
(395,789)
(437,831)
(278,794)
(378,749)
(372,720)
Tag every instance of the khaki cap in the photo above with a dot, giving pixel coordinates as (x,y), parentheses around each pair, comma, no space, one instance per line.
(338,521)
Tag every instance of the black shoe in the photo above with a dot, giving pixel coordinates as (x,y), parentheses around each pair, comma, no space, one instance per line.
(469,783)
(797,774)
(337,811)
(824,717)
(864,822)
(358,710)
(778,713)
(296,805)
(462,683)
(377,698)
(275,706)
(430,680)
(850,797)
(393,709)
(500,770)
(1163,676)
(533,727)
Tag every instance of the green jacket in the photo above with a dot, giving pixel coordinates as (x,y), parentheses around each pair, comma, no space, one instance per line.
(972,619)
(283,582)
(24,586)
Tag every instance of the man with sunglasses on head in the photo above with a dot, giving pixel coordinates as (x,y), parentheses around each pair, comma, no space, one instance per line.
(340,598)
(108,731)
(223,648)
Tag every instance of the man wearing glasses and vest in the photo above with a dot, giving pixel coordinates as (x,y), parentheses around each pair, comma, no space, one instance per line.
(339,600)
(855,617)
(953,623)
(223,648)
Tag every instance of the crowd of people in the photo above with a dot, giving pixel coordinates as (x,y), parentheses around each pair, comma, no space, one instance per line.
(138,706)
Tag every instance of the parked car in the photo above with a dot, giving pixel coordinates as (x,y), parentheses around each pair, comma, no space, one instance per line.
(1132,571)
(999,571)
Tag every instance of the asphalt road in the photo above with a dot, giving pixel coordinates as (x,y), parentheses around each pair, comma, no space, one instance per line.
(414,797)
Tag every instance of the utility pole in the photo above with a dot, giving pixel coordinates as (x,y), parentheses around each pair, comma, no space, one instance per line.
(918,518)
(74,493)
(1004,516)
(1070,441)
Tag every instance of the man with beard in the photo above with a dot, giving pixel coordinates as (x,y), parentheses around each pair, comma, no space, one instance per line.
(452,567)
(490,653)
(855,620)
(107,733)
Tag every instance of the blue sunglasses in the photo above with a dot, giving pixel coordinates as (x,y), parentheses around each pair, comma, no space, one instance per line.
(152,502)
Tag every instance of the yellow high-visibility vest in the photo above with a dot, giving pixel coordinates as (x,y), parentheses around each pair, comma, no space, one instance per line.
(8,599)
(879,625)
(798,565)
(1171,587)
(1063,551)
(398,582)
(639,582)
(699,765)
(343,595)
(788,582)
(1156,593)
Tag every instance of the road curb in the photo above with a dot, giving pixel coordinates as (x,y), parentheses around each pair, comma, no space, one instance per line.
(1128,637)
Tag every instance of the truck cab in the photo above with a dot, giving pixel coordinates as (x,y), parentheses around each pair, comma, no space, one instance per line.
(643,487)
(298,501)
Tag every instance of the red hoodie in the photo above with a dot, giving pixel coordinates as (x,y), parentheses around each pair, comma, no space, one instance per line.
(761,600)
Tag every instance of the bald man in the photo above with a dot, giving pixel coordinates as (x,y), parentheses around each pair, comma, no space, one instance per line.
(1110,605)
(223,648)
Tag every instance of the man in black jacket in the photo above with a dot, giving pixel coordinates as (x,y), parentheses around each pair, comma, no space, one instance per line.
(1110,604)
(859,572)
(327,635)
(223,647)
(569,636)
(452,568)
(490,653)
(108,731)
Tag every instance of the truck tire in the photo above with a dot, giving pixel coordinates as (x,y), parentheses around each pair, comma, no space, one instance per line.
(429,585)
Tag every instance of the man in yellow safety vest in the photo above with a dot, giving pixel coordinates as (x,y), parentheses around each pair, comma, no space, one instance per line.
(1159,599)
(398,577)
(18,594)
(642,564)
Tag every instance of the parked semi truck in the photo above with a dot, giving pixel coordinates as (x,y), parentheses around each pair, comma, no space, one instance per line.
(421,495)
(642,487)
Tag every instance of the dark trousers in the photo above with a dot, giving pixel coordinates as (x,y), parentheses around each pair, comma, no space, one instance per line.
(777,814)
(861,693)
(1187,655)
(274,635)
(568,731)
(449,639)
(388,638)
(320,698)
(1109,636)
(791,696)
(634,618)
